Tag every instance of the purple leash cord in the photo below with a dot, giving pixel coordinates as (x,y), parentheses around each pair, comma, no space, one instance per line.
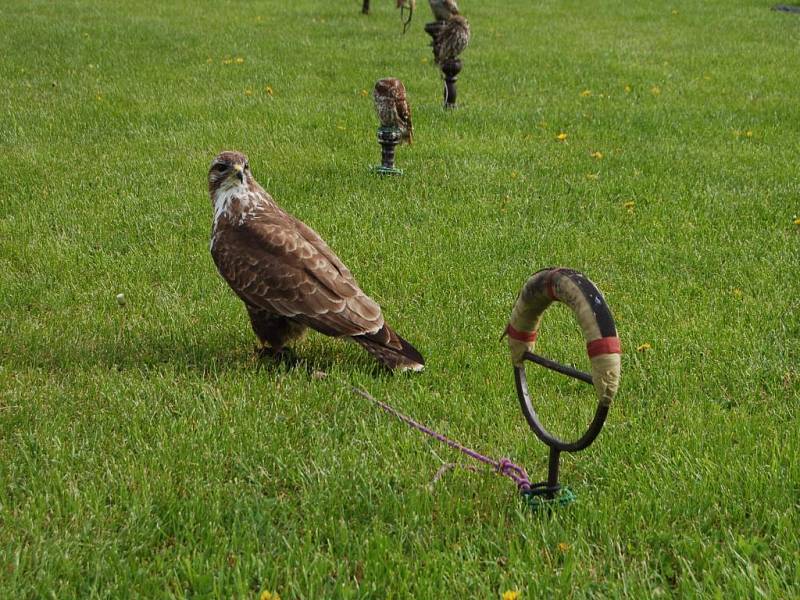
(503,466)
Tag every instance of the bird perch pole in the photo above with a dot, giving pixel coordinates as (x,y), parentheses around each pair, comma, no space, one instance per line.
(388,138)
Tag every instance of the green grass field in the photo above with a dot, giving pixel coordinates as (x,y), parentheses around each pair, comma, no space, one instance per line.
(146,452)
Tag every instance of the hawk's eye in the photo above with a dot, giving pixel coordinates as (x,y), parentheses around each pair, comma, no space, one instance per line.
(220,167)
(246,166)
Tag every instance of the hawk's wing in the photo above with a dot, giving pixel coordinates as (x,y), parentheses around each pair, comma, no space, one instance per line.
(277,263)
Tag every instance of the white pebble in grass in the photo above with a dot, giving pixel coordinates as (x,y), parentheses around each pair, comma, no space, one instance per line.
(121,299)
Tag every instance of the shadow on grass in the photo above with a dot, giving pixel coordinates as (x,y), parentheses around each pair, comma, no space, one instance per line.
(184,353)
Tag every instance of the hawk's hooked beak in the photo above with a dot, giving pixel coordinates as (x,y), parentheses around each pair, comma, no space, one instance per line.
(239,172)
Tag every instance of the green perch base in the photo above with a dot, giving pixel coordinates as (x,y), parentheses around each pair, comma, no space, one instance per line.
(538,502)
(381,170)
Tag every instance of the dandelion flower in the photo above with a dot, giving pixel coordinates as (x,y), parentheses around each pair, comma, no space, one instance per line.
(561,136)
(655,90)
(597,154)
(797,220)
(239,60)
(364,93)
(267,595)
(563,546)
(644,347)
(586,93)
(748,133)
(510,595)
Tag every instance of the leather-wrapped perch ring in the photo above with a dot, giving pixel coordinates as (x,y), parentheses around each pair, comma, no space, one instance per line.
(602,345)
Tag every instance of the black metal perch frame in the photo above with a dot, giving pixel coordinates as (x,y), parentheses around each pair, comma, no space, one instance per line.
(597,323)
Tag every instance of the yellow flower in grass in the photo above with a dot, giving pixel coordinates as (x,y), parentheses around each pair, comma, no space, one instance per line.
(510,595)
(797,220)
(597,154)
(267,595)
(364,93)
(268,90)
(563,546)
(630,206)
(628,89)
(644,347)
(239,60)
(561,137)
(655,90)
(586,93)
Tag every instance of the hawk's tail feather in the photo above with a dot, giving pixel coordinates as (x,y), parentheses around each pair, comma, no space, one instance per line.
(391,350)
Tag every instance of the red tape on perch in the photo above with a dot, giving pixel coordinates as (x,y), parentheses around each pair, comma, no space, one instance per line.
(521,336)
(604,345)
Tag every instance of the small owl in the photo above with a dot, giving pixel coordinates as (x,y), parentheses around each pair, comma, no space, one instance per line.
(451,40)
(392,106)
(443,9)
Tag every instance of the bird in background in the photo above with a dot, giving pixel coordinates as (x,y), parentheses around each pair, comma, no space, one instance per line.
(286,275)
(443,9)
(451,41)
(392,107)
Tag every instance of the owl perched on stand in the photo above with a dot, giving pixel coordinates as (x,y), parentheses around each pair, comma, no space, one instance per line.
(392,107)
(443,9)
(451,41)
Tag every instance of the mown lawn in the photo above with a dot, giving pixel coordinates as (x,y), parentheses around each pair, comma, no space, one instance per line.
(145,451)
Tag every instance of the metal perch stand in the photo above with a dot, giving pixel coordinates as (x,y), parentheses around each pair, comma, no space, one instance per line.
(388,138)
(603,348)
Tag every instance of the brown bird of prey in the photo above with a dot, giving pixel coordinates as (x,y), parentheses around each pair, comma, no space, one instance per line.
(451,40)
(392,107)
(286,275)
(443,9)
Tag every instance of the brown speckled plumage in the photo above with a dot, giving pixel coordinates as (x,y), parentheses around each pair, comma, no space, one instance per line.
(452,39)
(392,106)
(286,275)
